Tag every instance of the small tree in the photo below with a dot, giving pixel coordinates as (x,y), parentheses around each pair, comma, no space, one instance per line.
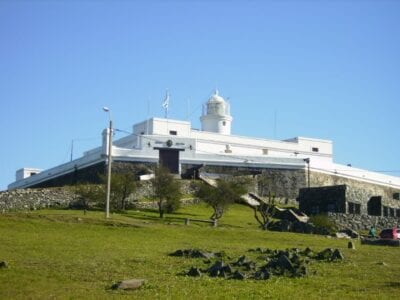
(88,195)
(223,195)
(167,190)
(122,185)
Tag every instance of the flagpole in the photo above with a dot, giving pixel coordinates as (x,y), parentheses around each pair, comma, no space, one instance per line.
(165,104)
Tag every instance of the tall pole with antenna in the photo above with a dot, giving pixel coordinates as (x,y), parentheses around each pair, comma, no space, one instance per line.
(72,150)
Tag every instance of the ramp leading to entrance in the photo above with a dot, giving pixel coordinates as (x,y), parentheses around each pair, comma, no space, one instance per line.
(251,199)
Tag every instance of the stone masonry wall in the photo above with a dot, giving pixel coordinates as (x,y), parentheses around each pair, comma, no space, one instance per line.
(363,222)
(61,197)
(32,199)
(358,191)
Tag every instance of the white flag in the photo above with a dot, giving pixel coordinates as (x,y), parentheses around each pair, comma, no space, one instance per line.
(165,103)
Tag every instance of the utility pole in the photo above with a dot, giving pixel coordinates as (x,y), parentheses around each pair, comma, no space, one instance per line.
(109,170)
(110,130)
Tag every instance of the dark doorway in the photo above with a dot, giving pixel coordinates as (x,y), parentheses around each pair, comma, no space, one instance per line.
(375,206)
(169,158)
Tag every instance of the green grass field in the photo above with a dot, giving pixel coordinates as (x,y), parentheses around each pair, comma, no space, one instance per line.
(64,254)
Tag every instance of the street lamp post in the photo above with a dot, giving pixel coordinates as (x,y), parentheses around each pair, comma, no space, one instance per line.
(110,129)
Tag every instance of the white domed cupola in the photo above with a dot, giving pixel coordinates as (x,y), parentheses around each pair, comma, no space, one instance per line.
(216,115)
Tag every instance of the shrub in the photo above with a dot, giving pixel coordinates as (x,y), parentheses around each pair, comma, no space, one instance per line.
(323,221)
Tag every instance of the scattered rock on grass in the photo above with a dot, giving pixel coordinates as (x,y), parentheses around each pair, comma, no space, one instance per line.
(351,245)
(3,265)
(131,284)
(289,263)
(194,272)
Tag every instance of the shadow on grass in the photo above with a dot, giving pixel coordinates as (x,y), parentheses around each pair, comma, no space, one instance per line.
(395,284)
(157,218)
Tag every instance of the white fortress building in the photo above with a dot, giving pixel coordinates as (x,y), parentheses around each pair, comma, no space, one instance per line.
(296,163)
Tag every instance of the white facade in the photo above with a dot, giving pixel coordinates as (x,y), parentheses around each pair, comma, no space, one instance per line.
(213,145)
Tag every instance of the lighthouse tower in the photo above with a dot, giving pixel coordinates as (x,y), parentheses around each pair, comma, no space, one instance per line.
(216,115)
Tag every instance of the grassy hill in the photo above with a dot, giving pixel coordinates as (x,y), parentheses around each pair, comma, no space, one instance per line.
(64,254)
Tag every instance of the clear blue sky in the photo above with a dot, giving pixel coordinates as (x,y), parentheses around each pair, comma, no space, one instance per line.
(328,69)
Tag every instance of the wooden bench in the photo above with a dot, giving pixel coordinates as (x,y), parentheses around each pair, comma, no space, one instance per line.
(214,222)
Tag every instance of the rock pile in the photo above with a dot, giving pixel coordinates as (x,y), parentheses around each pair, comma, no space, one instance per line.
(289,263)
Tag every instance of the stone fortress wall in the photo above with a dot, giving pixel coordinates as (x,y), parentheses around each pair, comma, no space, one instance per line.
(283,183)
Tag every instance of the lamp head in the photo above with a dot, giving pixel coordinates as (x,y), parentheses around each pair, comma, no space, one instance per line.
(105,108)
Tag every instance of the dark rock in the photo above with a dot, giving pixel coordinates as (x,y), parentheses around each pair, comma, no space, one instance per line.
(249,265)
(262,275)
(351,245)
(3,265)
(178,253)
(194,272)
(238,275)
(296,259)
(215,269)
(284,263)
(227,269)
(337,255)
(300,271)
(325,254)
(131,284)
(308,252)
(240,261)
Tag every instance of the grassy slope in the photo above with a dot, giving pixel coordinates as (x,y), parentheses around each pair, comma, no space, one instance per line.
(65,254)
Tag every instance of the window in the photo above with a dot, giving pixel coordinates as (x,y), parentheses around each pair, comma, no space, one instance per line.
(391,212)
(265,151)
(396,196)
(354,208)
(315,149)
(351,208)
(223,123)
(173,132)
(142,133)
(357,208)
(33,173)
(385,211)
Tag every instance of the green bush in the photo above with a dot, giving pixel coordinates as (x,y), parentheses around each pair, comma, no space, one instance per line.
(323,221)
